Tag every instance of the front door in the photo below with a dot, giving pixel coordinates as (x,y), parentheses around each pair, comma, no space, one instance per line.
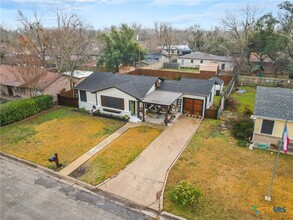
(132,107)
(10,90)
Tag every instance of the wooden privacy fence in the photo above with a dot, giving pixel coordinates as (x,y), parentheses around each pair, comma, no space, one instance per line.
(211,113)
(172,75)
(68,98)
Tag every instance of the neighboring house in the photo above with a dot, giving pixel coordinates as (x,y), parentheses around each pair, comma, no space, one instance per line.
(273,106)
(210,68)
(50,83)
(178,50)
(219,85)
(266,64)
(129,95)
(195,59)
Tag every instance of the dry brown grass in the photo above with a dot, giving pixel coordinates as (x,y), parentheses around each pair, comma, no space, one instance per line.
(232,178)
(118,154)
(62,131)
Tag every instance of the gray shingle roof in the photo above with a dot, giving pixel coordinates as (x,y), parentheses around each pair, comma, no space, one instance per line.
(188,86)
(274,103)
(205,56)
(217,80)
(136,86)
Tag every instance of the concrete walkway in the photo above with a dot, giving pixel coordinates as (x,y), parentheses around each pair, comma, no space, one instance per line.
(143,180)
(82,159)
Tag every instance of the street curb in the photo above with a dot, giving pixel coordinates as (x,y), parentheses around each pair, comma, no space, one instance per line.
(92,189)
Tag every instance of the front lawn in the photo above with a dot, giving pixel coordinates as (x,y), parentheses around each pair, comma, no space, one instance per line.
(118,154)
(59,130)
(245,100)
(233,179)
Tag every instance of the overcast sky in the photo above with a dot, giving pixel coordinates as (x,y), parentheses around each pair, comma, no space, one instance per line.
(104,13)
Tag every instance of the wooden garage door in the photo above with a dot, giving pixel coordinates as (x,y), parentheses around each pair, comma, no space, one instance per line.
(192,106)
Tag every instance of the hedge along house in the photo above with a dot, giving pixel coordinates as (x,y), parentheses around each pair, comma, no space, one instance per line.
(273,106)
(139,97)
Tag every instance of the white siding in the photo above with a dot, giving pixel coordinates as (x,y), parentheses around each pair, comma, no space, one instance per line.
(93,98)
(152,89)
(196,63)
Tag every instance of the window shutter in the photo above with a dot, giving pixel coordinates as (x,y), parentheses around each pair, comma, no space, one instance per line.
(103,100)
(122,104)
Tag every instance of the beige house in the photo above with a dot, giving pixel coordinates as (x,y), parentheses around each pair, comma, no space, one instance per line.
(273,106)
(196,59)
(50,83)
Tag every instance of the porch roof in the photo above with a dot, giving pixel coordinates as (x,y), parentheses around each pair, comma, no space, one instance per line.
(160,97)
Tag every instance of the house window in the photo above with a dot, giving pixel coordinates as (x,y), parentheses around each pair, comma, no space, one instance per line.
(201,61)
(112,102)
(267,126)
(223,66)
(191,61)
(210,99)
(20,89)
(82,95)
(182,61)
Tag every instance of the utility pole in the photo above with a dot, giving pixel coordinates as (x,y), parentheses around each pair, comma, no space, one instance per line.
(138,50)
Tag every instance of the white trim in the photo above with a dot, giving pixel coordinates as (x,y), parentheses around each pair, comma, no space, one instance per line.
(269,118)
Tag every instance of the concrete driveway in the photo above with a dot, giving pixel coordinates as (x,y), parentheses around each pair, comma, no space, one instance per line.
(143,180)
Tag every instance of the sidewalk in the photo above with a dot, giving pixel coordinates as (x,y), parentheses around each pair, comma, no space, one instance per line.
(82,159)
(143,180)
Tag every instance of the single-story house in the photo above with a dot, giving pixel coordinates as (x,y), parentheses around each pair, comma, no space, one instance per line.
(49,83)
(273,106)
(136,96)
(176,49)
(195,59)
(212,68)
(219,85)
(266,64)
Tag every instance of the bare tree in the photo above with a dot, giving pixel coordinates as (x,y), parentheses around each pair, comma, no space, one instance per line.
(240,27)
(30,72)
(195,37)
(72,40)
(36,39)
(165,33)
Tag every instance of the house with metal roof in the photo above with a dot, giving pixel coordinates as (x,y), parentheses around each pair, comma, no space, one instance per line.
(273,107)
(196,59)
(140,97)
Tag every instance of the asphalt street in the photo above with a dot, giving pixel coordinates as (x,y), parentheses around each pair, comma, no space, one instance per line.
(28,194)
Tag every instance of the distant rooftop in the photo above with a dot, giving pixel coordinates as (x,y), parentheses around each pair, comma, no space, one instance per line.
(79,74)
(205,56)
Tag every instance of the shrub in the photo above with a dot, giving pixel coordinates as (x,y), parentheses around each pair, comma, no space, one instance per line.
(247,111)
(185,194)
(242,128)
(231,104)
(17,110)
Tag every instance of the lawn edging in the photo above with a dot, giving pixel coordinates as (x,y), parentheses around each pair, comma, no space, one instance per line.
(91,189)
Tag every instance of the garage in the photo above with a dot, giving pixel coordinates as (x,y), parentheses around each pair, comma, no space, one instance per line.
(192,106)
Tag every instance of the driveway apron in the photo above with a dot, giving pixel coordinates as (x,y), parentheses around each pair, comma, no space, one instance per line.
(143,180)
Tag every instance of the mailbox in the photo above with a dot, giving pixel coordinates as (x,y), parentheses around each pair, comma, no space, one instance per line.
(53,158)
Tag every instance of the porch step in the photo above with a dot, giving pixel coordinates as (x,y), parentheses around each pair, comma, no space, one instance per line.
(134,119)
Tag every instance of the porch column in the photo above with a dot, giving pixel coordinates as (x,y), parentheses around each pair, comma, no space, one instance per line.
(166,116)
(138,109)
(143,112)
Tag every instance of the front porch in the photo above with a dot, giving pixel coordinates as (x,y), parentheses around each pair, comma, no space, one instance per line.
(161,107)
